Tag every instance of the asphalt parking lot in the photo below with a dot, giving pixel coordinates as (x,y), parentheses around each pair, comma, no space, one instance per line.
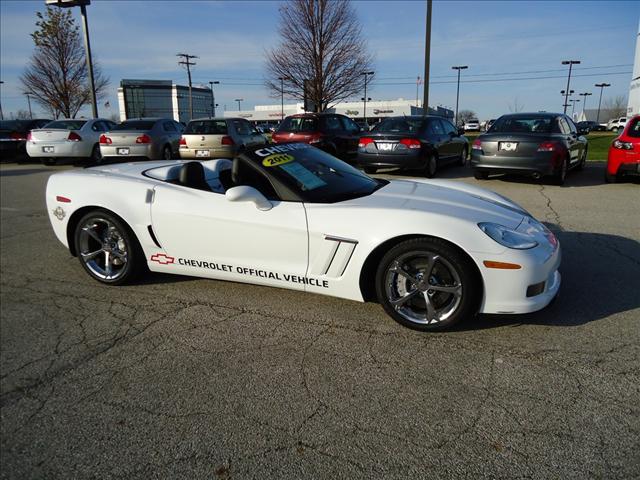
(177,377)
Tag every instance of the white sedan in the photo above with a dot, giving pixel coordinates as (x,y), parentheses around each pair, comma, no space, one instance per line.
(431,253)
(68,138)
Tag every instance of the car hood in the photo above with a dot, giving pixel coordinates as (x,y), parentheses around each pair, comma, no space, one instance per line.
(441,197)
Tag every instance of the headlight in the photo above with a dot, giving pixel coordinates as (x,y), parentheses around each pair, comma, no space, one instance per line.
(507,237)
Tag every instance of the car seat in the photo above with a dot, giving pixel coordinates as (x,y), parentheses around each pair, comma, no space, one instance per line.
(192,176)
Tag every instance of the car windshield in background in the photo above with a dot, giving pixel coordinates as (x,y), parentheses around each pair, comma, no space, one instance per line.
(393,125)
(317,176)
(66,124)
(298,124)
(135,125)
(634,128)
(207,127)
(522,125)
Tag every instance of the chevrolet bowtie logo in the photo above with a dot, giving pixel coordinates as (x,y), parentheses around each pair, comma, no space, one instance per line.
(162,259)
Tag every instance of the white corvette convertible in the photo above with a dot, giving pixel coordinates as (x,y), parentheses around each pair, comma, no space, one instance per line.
(291,216)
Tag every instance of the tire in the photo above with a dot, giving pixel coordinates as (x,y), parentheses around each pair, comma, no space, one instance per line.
(463,157)
(583,160)
(167,154)
(610,178)
(560,177)
(107,248)
(96,156)
(427,284)
(370,170)
(431,167)
(49,161)
(480,174)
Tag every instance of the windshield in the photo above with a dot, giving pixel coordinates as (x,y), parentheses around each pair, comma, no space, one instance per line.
(135,125)
(634,128)
(399,124)
(520,124)
(314,175)
(207,127)
(298,124)
(66,124)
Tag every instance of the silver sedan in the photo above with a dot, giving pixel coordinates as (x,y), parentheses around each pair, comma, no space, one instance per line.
(151,138)
(67,138)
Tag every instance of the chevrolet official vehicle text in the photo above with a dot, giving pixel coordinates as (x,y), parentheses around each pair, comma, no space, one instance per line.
(292,216)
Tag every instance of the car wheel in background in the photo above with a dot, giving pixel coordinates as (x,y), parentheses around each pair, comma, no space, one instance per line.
(49,161)
(96,156)
(370,170)
(583,159)
(427,284)
(166,153)
(432,166)
(107,248)
(480,174)
(560,177)
(463,157)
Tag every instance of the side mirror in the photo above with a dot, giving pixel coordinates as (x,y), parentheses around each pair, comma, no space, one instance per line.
(244,193)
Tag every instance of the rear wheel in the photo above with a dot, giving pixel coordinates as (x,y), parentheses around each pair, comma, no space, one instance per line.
(370,170)
(561,176)
(427,284)
(432,166)
(166,153)
(107,248)
(480,174)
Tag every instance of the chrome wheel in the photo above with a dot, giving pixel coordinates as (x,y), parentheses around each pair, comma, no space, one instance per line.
(103,248)
(423,287)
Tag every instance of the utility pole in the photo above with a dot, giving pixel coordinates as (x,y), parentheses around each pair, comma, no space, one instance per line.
(571,63)
(187,61)
(458,68)
(601,86)
(427,59)
(29,103)
(213,99)
(584,102)
(366,76)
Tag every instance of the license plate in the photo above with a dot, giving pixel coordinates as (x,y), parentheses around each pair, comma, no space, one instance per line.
(508,146)
(123,151)
(384,146)
(202,153)
(48,149)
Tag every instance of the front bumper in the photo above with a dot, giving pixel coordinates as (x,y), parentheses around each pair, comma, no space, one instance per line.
(62,149)
(412,159)
(543,163)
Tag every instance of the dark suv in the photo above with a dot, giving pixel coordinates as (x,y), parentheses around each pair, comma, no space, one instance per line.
(333,133)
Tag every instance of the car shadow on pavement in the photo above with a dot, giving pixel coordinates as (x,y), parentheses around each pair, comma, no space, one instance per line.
(600,278)
(23,171)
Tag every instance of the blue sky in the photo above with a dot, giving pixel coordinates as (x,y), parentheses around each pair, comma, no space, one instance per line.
(139,39)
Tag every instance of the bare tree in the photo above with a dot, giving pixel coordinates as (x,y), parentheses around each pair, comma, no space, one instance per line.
(321,44)
(617,106)
(56,75)
(465,115)
(22,115)
(516,106)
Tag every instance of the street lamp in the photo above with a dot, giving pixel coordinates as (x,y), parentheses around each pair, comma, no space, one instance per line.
(282,79)
(566,100)
(29,103)
(1,114)
(584,102)
(366,76)
(239,100)
(87,45)
(601,86)
(573,106)
(458,68)
(213,99)
(571,63)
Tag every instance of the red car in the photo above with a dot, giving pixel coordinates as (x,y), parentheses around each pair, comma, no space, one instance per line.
(624,152)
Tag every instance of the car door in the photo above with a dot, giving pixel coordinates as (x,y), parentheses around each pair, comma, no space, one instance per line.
(571,137)
(452,143)
(352,134)
(436,137)
(171,135)
(204,234)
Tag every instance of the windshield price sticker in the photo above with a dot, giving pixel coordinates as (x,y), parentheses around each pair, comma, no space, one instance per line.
(306,177)
(277,159)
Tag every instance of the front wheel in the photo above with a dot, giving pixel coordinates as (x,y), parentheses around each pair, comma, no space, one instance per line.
(107,248)
(583,159)
(427,284)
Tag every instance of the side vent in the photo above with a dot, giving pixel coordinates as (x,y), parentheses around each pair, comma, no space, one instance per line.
(334,256)
(153,236)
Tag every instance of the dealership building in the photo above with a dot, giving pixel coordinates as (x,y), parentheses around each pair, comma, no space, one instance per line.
(162,98)
(376,110)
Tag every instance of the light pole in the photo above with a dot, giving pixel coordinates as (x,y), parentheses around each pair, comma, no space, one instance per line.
(601,86)
(571,63)
(87,45)
(239,100)
(282,79)
(213,99)
(573,106)
(584,103)
(29,103)
(458,68)
(418,82)
(427,59)
(366,76)
(566,100)
(1,114)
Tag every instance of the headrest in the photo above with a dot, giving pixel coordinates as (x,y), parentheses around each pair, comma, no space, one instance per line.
(191,174)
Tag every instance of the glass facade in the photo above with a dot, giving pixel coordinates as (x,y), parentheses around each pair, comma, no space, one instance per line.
(155,98)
